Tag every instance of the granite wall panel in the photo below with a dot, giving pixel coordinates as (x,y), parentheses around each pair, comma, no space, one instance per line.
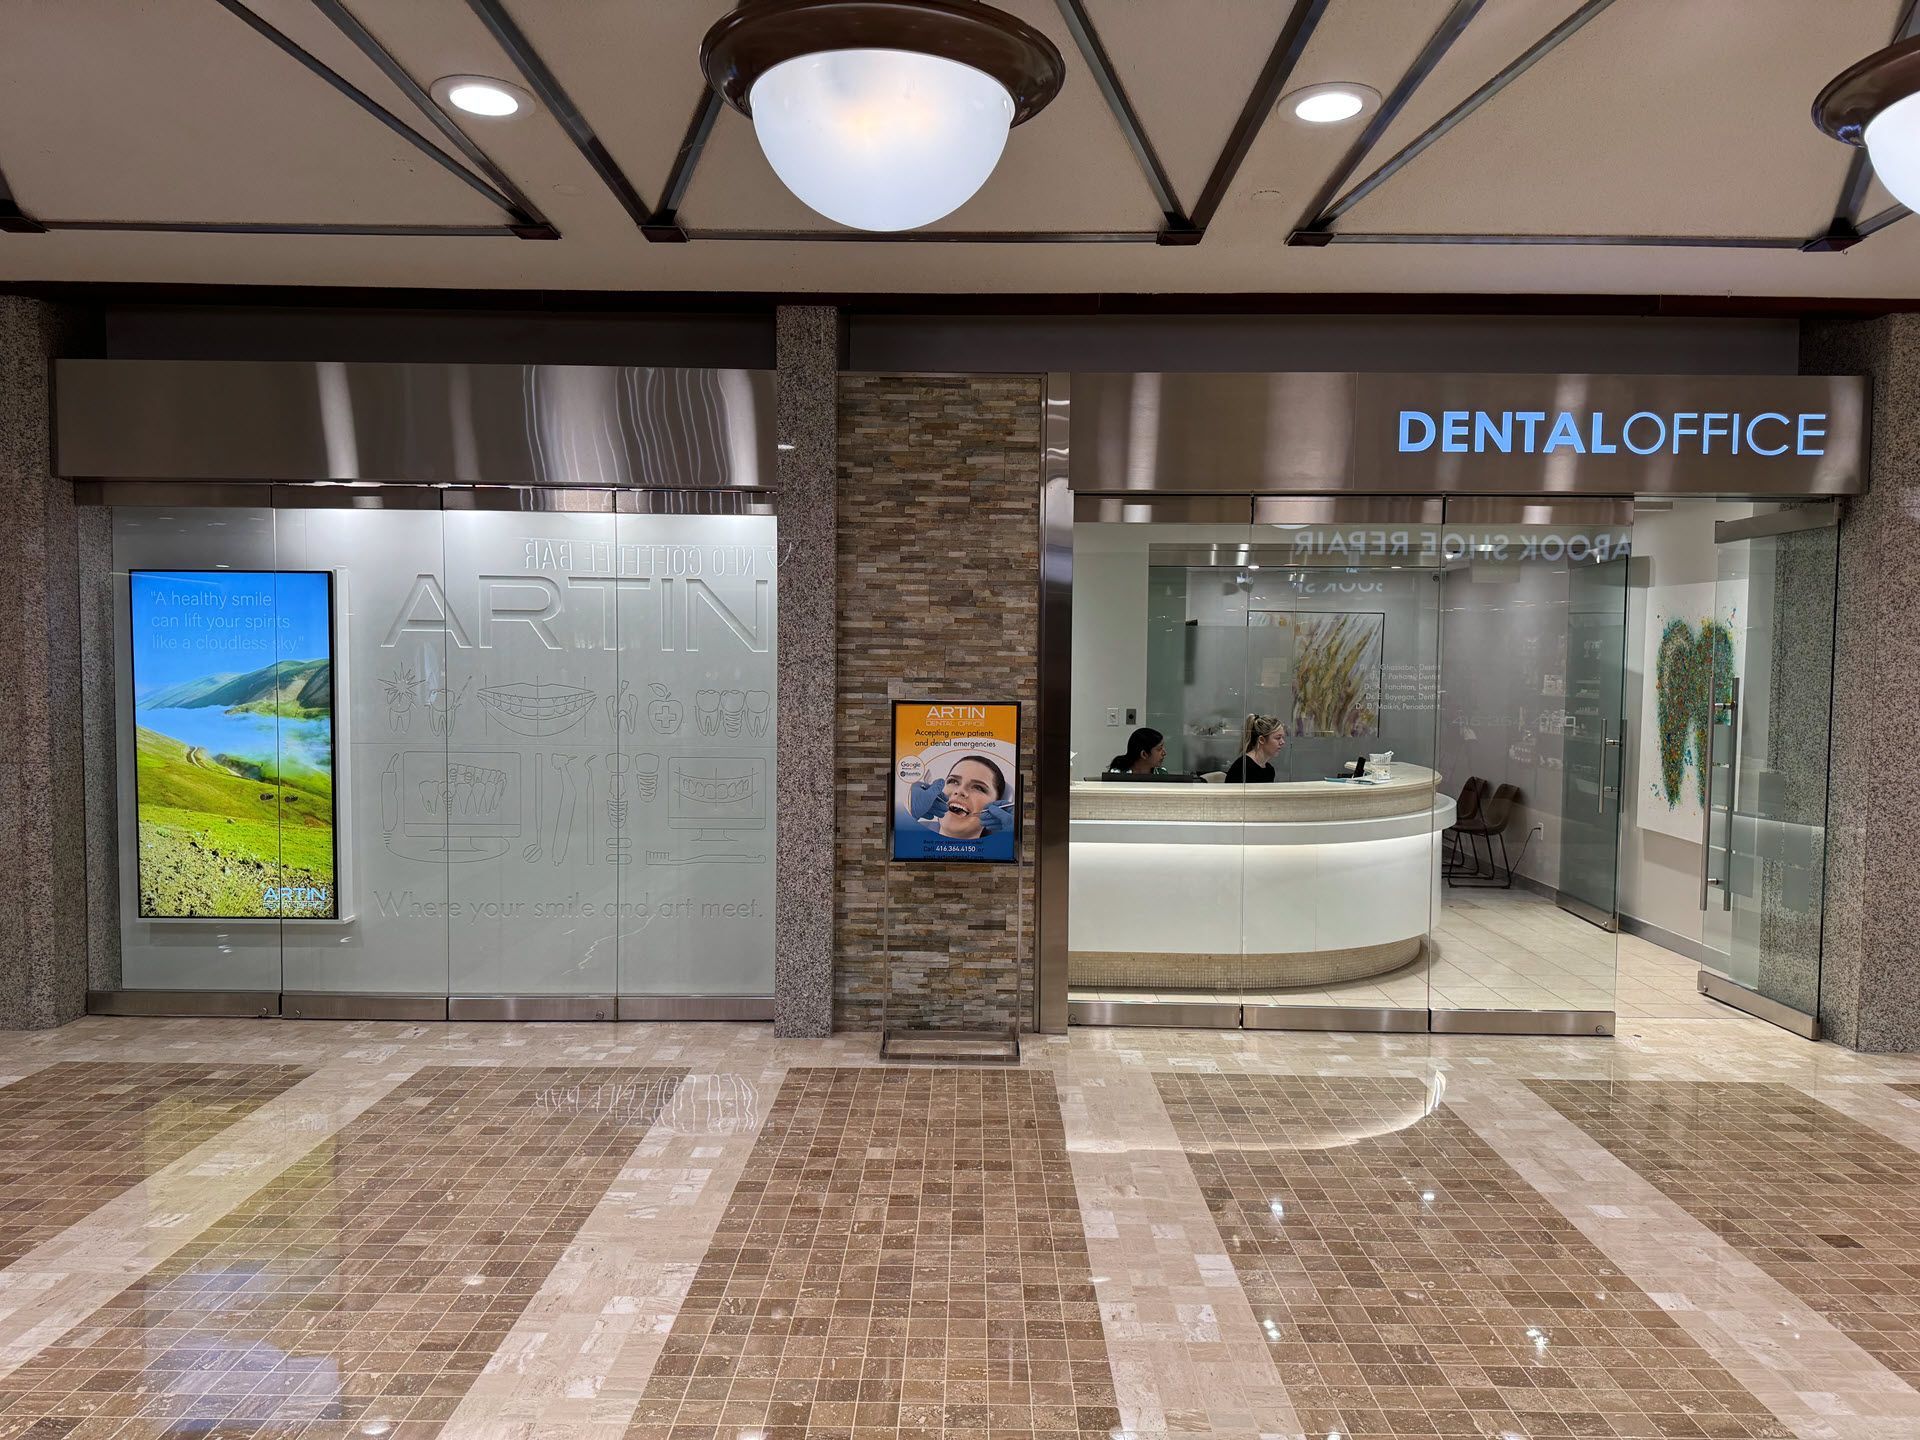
(807,343)
(1870,952)
(939,515)
(43,959)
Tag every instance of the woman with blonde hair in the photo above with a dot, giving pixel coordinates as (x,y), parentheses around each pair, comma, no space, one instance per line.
(1263,739)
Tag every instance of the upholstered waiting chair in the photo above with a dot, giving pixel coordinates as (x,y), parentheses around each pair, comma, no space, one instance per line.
(1489,828)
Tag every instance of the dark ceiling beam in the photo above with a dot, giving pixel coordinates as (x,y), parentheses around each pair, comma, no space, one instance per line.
(1686,242)
(524,215)
(547,87)
(940,237)
(664,224)
(1315,221)
(1846,230)
(1418,146)
(366,102)
(273,227)
(1267,90)
(1080,26)
(14,220)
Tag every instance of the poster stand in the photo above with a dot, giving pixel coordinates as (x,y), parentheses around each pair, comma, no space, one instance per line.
(953,759)
(922,1042)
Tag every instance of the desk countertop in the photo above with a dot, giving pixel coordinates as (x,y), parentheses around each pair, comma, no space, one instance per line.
(1410,791)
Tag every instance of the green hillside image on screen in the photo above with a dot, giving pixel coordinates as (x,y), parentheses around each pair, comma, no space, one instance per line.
(233,714)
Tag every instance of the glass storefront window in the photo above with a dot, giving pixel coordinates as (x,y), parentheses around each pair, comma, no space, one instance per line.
(548,740)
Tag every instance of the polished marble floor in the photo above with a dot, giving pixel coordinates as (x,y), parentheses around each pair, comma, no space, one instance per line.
(1703,1228)
(1501,950)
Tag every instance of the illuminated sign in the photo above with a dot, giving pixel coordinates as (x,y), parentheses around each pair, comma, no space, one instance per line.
(1766,433)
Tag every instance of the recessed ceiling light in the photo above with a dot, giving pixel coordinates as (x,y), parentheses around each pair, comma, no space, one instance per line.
(1331,103)
(482,95)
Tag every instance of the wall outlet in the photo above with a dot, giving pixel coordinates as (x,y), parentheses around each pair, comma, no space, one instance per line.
(1113,715)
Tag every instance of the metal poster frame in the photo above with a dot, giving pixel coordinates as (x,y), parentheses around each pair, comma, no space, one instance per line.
(912,1042)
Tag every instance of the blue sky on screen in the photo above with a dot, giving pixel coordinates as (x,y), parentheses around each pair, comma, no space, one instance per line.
(164,602)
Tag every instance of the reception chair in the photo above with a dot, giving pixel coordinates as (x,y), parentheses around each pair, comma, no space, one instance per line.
(1466,812)
(1488,829)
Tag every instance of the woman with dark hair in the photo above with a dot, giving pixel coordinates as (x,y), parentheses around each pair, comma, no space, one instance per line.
(1146,752)
(973,783)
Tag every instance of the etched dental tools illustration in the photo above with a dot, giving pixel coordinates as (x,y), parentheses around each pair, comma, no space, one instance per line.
(667,857)
(532,853)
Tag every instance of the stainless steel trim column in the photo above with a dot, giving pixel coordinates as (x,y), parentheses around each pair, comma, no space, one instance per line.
(1053,765)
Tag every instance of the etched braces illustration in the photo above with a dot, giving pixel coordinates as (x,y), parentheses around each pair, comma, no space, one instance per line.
(540,710)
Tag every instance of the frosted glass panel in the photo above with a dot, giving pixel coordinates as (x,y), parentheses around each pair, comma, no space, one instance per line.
(389,685)
(689,798)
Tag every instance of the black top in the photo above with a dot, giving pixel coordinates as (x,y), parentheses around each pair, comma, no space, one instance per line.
(1246,771)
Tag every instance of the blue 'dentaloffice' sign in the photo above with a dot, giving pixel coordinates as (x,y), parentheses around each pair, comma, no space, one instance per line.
(1644,432)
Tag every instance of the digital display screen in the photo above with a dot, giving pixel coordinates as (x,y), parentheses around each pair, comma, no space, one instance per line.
(234,744)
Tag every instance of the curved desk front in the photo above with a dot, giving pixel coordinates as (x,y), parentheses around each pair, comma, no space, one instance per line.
(1252,887)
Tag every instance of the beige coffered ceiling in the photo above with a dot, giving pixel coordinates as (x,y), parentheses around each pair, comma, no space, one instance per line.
(1677,119)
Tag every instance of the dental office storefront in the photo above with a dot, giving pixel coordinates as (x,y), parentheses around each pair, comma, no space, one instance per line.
(460,691)
(1485,703)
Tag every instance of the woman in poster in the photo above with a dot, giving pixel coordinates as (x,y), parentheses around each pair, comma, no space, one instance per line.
(965,813)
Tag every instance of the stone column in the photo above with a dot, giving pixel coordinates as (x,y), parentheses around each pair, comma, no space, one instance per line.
(1870,958)
(43,883)
(807,349)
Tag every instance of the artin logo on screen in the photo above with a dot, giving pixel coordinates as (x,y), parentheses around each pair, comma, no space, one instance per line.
(297,899)
(956,712)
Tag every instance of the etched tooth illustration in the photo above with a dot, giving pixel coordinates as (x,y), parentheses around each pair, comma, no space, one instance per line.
(733,711)
(758,702)
(646,775)
(706,711)
(530,709)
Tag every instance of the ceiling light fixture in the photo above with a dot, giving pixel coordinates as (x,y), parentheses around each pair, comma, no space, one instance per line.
(481,95)
(881,114)
(1331,103)
(1876,103)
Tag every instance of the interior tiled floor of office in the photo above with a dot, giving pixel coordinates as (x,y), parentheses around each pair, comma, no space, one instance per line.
(1702,1227)
(1504,950)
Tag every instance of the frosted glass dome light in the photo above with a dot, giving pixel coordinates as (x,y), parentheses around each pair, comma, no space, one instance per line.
(881,115)
(1875,102)
(1893,145)
(881,139)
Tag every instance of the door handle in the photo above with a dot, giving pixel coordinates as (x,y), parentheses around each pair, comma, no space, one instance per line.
(1733,786)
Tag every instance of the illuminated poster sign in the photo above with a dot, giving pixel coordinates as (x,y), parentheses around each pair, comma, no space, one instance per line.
(234,733)
(955,788)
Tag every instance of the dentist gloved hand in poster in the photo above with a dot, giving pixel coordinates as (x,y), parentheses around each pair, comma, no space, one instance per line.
(955,782)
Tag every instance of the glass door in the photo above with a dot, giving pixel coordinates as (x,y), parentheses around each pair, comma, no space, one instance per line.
(1593,741)
(1532,645)
(1764,860)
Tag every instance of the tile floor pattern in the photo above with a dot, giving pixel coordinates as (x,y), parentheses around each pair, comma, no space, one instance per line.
(1411,1284)
(903,1255)
(363,1290)
(519,1232)
(1821,1203)
(74,1136)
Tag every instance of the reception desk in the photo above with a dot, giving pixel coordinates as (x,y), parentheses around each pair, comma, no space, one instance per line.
(1252,887)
